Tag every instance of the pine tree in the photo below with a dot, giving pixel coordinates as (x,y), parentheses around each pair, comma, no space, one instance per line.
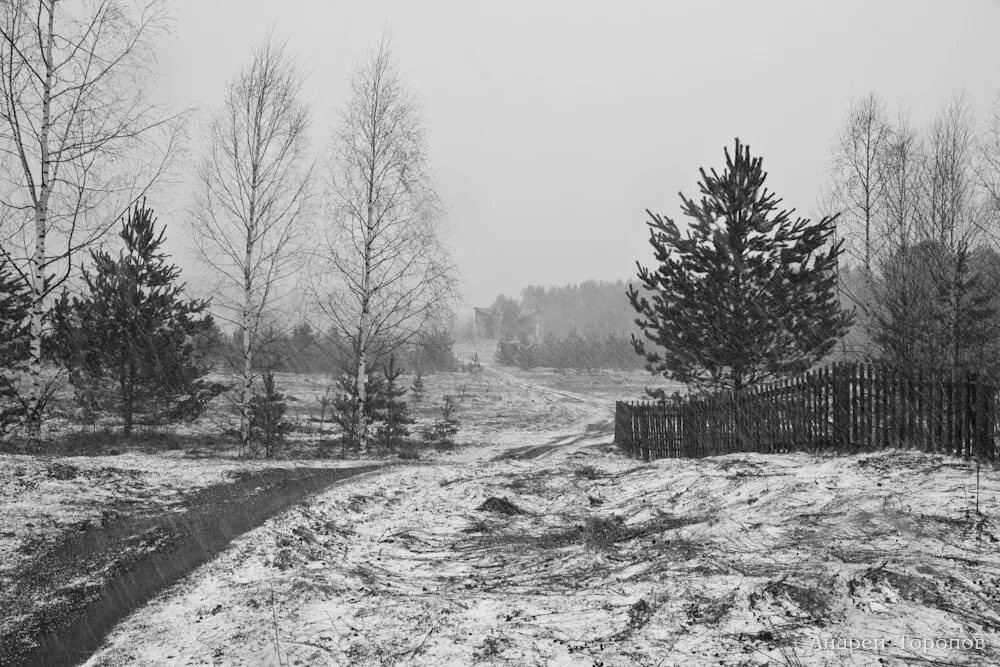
(417,389)
(396,425)
(442,432)
(268,426)
(747,294)
(129,341)
(345,406)
(15,306)
(938,309)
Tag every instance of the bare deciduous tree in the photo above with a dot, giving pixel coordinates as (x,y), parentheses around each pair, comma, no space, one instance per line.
(951,215)
(384,273)
(989,166)
(79,144)
(252,194)
(902,170)
(859,188)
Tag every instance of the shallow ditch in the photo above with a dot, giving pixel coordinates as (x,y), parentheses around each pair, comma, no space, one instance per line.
(137,557)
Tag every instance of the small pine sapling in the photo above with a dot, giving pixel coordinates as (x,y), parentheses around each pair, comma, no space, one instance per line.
(474,366)
(345,407)
(442,432)
(396,418)
(268,425)
(417,389)
(324,404)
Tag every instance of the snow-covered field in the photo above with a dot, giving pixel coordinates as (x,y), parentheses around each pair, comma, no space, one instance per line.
(581,556)
(736,560)
(534,543)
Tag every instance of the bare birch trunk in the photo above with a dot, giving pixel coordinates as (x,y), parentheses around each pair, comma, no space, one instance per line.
(38,261)
(247,367)
(248,328)
(363,326)
(362,389)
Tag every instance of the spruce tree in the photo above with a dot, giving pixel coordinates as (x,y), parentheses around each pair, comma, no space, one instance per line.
(129,341)
(15,304)
(748,294)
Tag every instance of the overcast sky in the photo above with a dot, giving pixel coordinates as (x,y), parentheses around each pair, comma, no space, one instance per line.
(553,126)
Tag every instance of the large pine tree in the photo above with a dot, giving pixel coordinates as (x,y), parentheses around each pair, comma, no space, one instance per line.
(130,341)
(748,294)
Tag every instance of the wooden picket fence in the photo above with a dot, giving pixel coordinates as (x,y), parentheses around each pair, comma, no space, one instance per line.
(840,407)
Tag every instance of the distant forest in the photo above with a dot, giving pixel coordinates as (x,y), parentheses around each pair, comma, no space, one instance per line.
(583,326)
(591,308)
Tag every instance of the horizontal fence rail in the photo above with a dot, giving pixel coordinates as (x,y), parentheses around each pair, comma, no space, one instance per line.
(840,407)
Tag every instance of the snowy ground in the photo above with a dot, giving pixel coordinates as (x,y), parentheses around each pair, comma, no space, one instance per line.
(43,497)
(580,556)
(735,560)
(47,500)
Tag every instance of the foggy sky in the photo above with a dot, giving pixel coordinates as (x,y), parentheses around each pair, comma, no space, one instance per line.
(553,126)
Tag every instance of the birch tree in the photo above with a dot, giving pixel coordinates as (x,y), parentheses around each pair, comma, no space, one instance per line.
(859,189)
(989,164)
(903,312)
(79,144)
(253,191)
(902,170)
(384,273)
(951,218)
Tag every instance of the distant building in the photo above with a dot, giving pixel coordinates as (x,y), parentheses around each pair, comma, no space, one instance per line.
(509,323)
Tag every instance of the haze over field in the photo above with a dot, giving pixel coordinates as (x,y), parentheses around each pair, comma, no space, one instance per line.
(551,126)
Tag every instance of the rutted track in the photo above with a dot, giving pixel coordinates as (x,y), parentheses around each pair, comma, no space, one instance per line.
(180,542)
(591,438)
